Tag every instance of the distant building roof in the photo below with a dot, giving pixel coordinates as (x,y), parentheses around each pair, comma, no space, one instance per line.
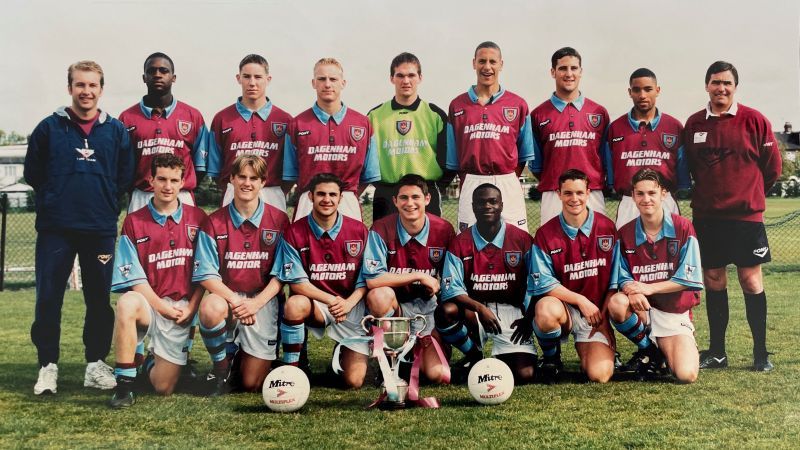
(790,139)
(13,154)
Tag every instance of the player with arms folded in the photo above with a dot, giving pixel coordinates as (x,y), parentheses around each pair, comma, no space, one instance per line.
(489,139)
(568,132)
(320,257)
(645,137)
(402,264)
(330,138)
(572,263)
(161,124)
(154,264)
(251,126)
(483,290)
(235,254)
(658,274)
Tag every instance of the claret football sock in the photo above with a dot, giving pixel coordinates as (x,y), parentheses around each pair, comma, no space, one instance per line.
(717,310)
(457,335)
(633,328)
(293,333)
(214,339)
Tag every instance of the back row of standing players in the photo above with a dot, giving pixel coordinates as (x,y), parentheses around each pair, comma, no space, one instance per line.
(487,137)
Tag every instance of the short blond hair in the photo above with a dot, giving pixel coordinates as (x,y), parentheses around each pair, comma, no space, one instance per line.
(329,61)
(86,66)
(256,162)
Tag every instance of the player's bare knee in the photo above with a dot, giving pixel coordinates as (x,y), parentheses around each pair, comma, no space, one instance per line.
(618,306)
(600,372)
(352,380)
(163,387)
(297,307)
(685,373)
(523,375)
(213,309)
(715,279)
(380,300)
(128,308)
(751,282)
(446,313)
(435,373)
(251,383)
(547,314)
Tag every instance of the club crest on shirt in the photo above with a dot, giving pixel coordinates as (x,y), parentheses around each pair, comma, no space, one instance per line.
(184,127)
(669,140)
(435,254)
(595,119)
(357,133)
(278,129)
(104,259)
(672,247)
(268,236)
(604,243)
(353,248)
(513,258)
(403,126)
(510,114)
(125,270)
(191,232)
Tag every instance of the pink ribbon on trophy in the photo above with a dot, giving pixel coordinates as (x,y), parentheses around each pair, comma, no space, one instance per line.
(413,385)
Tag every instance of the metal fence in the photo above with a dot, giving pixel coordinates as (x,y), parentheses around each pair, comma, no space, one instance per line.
(19,234)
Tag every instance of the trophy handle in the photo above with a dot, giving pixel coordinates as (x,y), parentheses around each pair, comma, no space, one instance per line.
(424,320)
(366,322)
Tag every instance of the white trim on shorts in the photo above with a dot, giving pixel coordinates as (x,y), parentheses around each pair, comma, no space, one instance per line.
(261,338)
(348,206)
(501,343)
(139,199)
(552,206)
(666,324)
(351,327)
(167,338)
(424,307)
(271,195)
(581,329)
(628,211)
(514,211)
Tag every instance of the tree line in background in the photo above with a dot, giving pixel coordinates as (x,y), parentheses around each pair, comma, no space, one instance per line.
(12,138)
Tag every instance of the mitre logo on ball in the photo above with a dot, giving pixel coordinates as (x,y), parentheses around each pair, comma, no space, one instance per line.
(490,381)
(286,389)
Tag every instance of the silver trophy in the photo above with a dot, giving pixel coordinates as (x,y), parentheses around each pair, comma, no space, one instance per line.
(397,342)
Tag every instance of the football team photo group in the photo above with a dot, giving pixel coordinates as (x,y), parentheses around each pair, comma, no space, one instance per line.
(254,280)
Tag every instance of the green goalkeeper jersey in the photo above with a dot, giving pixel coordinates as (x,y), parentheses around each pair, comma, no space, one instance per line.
(410,139)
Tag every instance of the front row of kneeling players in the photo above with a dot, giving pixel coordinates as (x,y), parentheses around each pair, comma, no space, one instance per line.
(496,281)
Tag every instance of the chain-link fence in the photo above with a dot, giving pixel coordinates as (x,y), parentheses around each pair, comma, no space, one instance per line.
(19,235)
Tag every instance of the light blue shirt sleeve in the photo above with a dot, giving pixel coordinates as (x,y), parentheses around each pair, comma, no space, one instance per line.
(288,266)
(684,181)
(689,273)
(451,162)
(605,158)
(542,279)
(452,277)
(620,271)
(375,257)
(214,161)
(535,165)
(129,272)
(525,149)
(372,170)
(529,265)
(206,259)
(200,149)
(290,171)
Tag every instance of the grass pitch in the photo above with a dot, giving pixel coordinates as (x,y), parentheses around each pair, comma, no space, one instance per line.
(732,408)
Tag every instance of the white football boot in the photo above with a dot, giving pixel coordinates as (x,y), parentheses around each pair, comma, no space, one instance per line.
(99,375)
(48,380)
